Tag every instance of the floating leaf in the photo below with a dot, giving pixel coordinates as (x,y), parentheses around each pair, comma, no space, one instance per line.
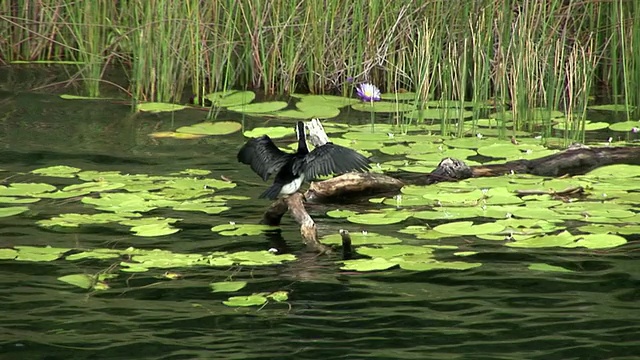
(157,107)
(468,228)
(227,286)
(211,128)
(437,265)
(83,281)
(399,96)
(8,254)
(259,108)
(25,189)
(625,126)
(17,200)
(279,296)
(361,238)
(12,210)
(612,107)
(230,98)
(547,267)
(149,230)
(598,241)
(57,171)
(376,264)
(273,132)
(240,229)
(78,97)
(392,251)
(241,301)
(383,218)
(383,107)
(175,135)
(35,253)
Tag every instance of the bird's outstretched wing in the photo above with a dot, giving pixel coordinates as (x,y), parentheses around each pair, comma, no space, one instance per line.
(332,159)
(263,156)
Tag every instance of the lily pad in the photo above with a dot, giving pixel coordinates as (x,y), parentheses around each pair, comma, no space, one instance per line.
(383,107)
(259,108)
(227,286)
(273,132)
(243,301)
(375,264)
(234,229)
(211,128)
(26,189)
(437,265)
(612,107)
(547,267)
(83,281)
(382,218)
(157,107)
(468,228)
(12,210)
(230,98)
(361,238)
(625,126)
(58,171)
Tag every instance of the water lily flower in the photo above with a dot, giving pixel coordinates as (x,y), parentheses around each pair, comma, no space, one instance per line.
(368,92)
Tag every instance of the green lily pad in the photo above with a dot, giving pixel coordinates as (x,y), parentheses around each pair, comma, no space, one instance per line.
(8,254)
(26,189)
(211,128)
(598,241)
(273,132)
(174,135)
(625,126)
(340,214)
(233,229)
(326,100)
(242,301)
(437,265)
(12,210)
(38,254)
(439,113)
(468,228)
(83,281)
(398,96)
(383,218)
(391,251)
(230,98)
(376,264)
(227,286)
(612,107)
(259,108)
(547,267)
(383,107)
(58,171)
(151,230)
(279,296)
(361,238)
(17,200)
(562,239)
(157,107)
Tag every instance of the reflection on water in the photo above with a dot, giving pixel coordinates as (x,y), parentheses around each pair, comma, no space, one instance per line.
(500,310)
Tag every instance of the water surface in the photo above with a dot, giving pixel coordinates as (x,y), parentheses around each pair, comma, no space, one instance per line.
(500,310)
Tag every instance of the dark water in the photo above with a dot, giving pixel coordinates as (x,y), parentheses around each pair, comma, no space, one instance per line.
(500,310)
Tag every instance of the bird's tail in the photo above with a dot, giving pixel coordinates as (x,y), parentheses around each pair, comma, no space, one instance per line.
(272,192)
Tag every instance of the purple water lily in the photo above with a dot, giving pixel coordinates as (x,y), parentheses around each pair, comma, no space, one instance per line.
(368,92)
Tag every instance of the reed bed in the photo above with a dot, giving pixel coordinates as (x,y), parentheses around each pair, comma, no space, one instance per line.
(518,56)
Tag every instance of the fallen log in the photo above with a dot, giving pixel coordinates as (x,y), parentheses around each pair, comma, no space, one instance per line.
(573,161)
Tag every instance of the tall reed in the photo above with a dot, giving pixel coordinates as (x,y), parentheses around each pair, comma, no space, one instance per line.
(516,56)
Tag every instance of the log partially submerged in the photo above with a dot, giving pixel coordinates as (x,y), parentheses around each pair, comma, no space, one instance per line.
(573,161)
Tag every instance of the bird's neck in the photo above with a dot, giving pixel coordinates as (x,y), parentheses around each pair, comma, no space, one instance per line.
(302,140)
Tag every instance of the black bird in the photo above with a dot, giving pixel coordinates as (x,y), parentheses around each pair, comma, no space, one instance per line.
(292,170)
